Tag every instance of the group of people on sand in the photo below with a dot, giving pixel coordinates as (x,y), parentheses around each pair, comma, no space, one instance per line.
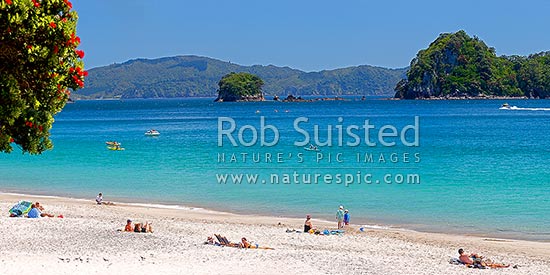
(36,211)
(474,260)
(138,227)
(146,227)
(342,216)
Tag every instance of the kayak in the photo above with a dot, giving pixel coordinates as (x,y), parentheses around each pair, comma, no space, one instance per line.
(113,148)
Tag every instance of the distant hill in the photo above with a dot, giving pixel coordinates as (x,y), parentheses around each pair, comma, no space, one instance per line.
(194,76)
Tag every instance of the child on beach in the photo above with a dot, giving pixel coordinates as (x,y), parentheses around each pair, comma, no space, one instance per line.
(346,217)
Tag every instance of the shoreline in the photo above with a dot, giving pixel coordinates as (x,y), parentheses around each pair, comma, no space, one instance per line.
(324,221)
(86,241)
(363,222)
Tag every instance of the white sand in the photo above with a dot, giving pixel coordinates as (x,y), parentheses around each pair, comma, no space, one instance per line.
(86,242)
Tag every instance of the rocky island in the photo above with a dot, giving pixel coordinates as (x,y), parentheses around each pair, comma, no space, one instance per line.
(457,66)
(240,87)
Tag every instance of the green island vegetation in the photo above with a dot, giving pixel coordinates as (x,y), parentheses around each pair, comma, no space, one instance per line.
(240,87)
(39,65)
(196,76)
(456,65)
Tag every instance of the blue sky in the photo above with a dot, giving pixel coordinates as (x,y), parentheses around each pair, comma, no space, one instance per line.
(307,35)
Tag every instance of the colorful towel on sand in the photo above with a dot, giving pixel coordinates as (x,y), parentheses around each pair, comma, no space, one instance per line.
(21,208)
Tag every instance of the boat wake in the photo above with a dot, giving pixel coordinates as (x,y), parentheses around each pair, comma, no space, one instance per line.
(515,108)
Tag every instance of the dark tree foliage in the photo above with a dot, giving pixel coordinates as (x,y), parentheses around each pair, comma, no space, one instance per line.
(457,65)
(240,86)
(39,63)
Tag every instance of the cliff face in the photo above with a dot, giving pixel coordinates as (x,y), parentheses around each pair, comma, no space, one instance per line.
(456,65)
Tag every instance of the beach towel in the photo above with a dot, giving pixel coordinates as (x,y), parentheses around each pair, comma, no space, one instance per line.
(21,208)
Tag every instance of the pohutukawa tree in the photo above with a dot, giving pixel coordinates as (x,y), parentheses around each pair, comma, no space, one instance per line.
(39,66)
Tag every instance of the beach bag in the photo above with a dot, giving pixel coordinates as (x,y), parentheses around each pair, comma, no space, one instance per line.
(21,208)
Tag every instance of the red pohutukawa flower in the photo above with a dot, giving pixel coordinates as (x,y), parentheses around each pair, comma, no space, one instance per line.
(9,3)
(74,40)
(53,25)
(80,53)
(11,139)
(55,49)
(68,3)
(36,4)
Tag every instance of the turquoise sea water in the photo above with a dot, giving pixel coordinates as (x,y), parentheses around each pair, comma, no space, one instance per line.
(482,170)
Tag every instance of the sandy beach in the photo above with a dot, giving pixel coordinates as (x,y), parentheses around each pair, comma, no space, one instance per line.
(86,241)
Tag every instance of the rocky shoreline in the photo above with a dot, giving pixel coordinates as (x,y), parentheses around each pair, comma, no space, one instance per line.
(464,98)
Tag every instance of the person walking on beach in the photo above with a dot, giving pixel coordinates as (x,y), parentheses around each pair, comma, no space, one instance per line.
(346,217)
(340,217)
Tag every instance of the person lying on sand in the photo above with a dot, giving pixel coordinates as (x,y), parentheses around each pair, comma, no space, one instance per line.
(35,213)
(146,228)
(211,241)
(472,259)
(246,244)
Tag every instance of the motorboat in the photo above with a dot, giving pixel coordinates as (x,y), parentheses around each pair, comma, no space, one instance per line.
(507,106)
(152,133)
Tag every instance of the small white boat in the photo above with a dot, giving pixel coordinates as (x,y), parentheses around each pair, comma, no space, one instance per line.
(507,106)
(152,133)
(312,148)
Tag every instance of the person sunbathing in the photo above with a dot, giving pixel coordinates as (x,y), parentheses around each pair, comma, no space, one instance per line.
(35,213)
(245,243)
(225,242)
(128,227)
(473,259)
(211,241)
(145,228)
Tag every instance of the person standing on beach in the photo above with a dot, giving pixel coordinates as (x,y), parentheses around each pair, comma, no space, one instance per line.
(340,217)
(346,217)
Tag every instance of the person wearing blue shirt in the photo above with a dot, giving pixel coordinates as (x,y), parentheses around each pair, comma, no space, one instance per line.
(34,212)
(346,217)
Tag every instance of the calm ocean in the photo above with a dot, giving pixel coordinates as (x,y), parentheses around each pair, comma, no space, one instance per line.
(481,170)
